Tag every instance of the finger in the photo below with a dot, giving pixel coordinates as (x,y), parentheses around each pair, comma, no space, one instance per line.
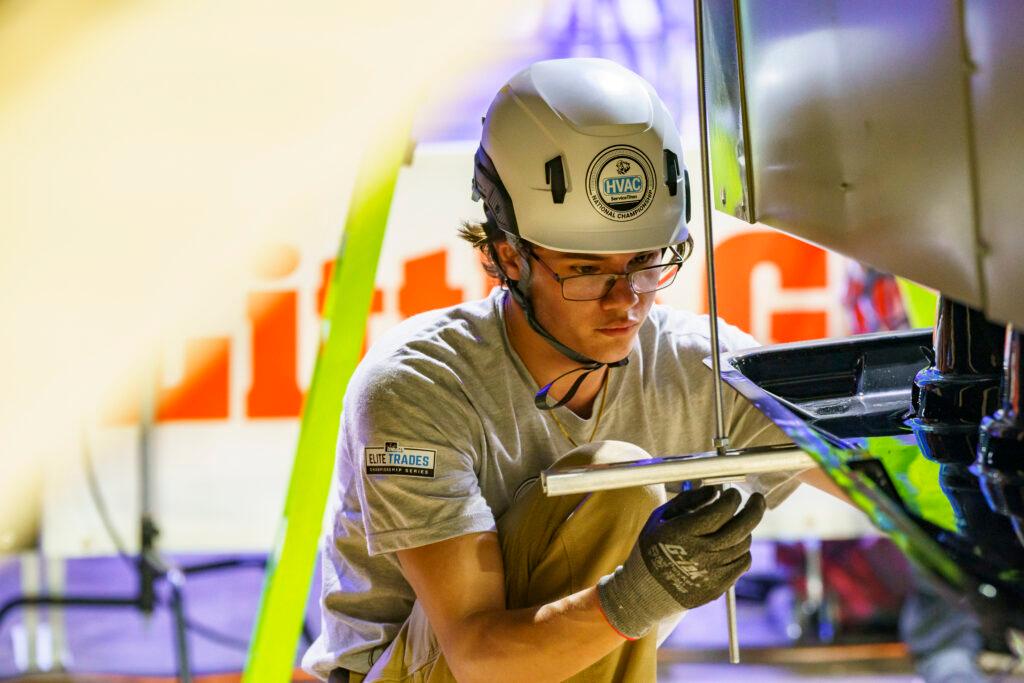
(737,568)
(736,529)
(727,575)
(687,501)
(727,555)
(710,518)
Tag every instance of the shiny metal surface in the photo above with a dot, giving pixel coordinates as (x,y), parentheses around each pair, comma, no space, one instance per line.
(724,88)
(994,29)
(950,397)
(890,132)
(1000,462)
(845,401)
(701,466)
(730,616)
(721,439)
(858,133)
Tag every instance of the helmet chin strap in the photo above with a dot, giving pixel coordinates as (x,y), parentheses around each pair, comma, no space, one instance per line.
(589,365)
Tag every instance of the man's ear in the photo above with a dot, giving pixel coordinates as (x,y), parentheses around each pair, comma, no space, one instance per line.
(509,260)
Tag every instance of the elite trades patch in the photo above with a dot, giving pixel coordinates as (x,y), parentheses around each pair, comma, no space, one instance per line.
(395,459)
(620,183)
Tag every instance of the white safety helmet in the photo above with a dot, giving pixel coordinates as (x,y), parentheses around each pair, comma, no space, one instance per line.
(581,155)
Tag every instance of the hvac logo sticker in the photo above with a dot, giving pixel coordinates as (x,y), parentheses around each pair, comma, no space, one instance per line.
(621,183)
(395,459)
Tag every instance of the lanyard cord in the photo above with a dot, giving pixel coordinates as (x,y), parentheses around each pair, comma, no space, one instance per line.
(540,399)
(597,421)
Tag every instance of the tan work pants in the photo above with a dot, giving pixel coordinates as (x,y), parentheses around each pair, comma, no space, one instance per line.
(552,547)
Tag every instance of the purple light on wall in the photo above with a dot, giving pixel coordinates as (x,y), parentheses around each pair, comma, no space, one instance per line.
(652,37)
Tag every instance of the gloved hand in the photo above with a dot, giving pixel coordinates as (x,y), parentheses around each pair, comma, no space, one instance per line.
(689,552)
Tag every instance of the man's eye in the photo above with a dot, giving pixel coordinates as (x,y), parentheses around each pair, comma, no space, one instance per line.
(644,259)
(585,270)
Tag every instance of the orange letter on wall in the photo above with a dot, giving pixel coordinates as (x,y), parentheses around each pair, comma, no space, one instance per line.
(801,266)
(203,392)
(275,387)
(425,285)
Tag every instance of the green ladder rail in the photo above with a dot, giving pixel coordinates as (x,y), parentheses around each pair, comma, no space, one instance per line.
(272,649)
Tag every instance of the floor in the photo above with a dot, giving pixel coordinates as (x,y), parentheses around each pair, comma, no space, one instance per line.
(697,652)
(120,644)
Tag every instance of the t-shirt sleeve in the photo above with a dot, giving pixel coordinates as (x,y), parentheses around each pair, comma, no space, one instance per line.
(409,435)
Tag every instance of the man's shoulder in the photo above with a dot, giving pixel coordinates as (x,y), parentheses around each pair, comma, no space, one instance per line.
(439,329)
(433,348)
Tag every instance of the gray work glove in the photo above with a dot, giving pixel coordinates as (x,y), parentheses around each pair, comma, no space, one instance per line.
(689,552)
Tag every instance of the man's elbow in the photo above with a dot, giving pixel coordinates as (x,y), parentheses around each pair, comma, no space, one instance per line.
(474,657)
(470,663)
(469,672)
(467,653)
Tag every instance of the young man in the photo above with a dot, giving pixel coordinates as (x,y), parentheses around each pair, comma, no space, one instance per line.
(442,559)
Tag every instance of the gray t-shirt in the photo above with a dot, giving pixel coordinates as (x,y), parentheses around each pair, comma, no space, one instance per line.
(439,430)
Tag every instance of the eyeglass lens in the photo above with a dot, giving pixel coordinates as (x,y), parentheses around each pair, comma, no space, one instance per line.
(643,281)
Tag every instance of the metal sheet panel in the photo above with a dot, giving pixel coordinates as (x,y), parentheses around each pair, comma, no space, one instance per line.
(730,173)
(994,30)
(858,121)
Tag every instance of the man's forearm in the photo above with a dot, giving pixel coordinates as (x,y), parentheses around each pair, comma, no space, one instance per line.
(550,642)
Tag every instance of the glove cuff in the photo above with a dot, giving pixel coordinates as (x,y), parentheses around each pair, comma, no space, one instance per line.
(632,600)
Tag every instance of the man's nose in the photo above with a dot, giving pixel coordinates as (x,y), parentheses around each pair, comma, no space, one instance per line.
(621,295)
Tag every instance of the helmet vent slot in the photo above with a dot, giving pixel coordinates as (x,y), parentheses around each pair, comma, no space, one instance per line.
(671,172)
(554,175)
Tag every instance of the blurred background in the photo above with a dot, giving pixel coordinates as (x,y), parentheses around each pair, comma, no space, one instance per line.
(174,184)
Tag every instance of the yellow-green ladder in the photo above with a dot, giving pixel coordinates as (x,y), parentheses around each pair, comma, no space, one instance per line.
(286,586)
